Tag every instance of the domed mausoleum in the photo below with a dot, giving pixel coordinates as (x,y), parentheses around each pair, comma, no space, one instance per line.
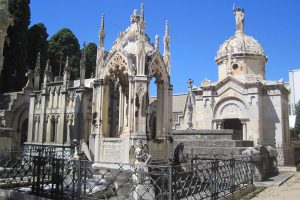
(241,99)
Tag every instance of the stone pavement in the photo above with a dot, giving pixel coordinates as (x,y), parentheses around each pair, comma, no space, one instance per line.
(290,190)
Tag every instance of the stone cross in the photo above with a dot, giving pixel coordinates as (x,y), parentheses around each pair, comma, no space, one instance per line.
(190,82)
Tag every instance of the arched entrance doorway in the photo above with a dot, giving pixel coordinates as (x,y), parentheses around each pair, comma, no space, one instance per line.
(234,124)
(24,131)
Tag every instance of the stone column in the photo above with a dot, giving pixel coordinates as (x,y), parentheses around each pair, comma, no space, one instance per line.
(48,130)
(104,132)
(42,129)
(98,108)
(140,106)
(31,118)
(245,136)
(121,110)
(165,110)
(170,105)
(130,104)
(70,120)
(36,127)
(160,109)
(61,123)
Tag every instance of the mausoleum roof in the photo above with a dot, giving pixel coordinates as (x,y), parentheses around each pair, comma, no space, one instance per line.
(127,41)
(240,43)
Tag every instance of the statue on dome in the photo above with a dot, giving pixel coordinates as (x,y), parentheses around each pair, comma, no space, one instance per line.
(239,19)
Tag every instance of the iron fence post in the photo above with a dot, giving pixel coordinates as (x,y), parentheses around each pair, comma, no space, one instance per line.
(232,169)
(251,169)
(79,179)
(170,182)
(214,180)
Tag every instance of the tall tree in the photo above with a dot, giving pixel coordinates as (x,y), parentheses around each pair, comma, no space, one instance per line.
(15,46)
(37,42)
(64,43)
(91,56)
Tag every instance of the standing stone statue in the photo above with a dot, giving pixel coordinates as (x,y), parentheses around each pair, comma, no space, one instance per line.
(139,158)
(239,19)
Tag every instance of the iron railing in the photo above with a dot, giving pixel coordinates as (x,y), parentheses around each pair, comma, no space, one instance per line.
(58,177)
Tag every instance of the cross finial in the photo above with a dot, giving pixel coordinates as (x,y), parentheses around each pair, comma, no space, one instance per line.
(190,82)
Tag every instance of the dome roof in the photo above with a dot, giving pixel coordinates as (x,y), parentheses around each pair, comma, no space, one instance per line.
(240,43)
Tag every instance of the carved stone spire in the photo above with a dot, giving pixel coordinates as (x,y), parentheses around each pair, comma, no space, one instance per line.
(37,72)
(82,66)
(46,74)
(100,50)
(190,104)
(142,12)
(239,20)
(66,71)
(102,33)
(167,54)
(157,42)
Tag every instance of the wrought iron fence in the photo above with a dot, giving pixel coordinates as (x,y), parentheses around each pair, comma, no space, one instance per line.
(59,178)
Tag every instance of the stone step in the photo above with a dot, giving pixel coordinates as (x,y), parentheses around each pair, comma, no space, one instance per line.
(215,143)
(207,134)
(215,150)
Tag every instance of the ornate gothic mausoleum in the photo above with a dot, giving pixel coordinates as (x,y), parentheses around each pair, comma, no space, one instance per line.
(112,110)
(241,99)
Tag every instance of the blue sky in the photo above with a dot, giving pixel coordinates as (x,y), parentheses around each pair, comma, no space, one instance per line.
(197,29)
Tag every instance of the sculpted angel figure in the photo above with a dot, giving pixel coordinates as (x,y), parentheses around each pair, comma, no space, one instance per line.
(139,157)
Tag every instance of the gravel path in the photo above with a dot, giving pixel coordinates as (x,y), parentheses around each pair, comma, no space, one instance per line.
(290,190)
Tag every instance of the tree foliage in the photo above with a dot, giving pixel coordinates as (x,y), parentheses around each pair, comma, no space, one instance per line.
(64,43)
(37,42)
(15,46)
(91,56)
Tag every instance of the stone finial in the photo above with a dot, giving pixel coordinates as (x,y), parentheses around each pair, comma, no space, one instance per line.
(47,73)
(190,82)
(37,72)
(167,28)
(30,76)
(82,66)
(135,16)
(167,38)
(67,66)
(142,12)
(167,54)
(239,19)
(66,72)
(156,42)
(102,32)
